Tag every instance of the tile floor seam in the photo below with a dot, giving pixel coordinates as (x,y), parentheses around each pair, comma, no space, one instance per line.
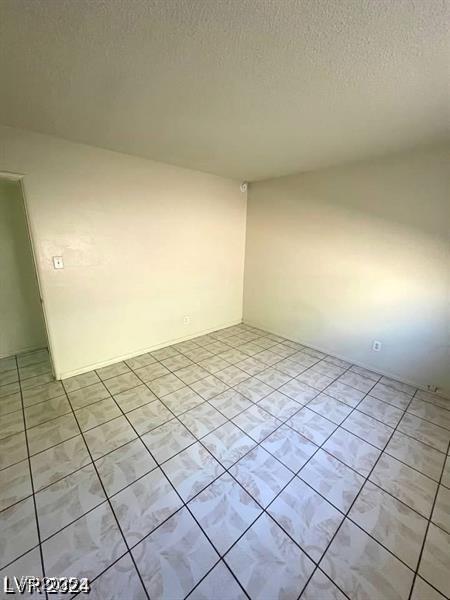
(283,422)
(366,478)
(416,572)
(107,499)
(41,556)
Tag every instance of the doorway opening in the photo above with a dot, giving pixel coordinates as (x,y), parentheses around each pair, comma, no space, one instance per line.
(23,332)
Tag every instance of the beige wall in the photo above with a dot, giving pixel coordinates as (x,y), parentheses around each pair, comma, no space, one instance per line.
(144,244)
(21,322)
(343,256)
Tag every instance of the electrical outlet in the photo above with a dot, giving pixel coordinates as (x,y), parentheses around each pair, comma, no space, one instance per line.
(58,262)
(376,345)
(186,320)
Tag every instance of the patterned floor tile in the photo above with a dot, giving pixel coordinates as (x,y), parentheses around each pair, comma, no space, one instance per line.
(435,563)
(352,451)
(167,440)
(441,511)
(368,428)
(388,414)
(209,387)
(230,403)
(163,353)
(122,383)
(232,375)
(97,413)
(182,400)
(192,470)
(18,531)
(10,388)
(191,374)
(52,432)
(228,444)
(176,362)
(86,547)
(390,395)
(12,423)
(167,384)
(140,361)
(326,406)
(251,365)
(430,412)
(175,557)
(67,500)
(330,477)
(363,384)
(15,484)
(120,581)
(362,568)
(224,510)
(446,473)
(202,419)
(13,449)
(311,425)
(430,434)
(309,519)
(345,393)
(298,391)
(124,465)
(279,405)
(10,404)
(315,379)
(397,527)
(266,549)
(256,422)
(423,591)
(320,587)
(262,475)
(144,505)
(109,436)
(424,458)
(214,364)
(219,583)
(112,370)
(365,373)
(149,416)
(151,372)
(291,448)
(88,395)
(406,484)
(134,398)
(273,377)
(254,389)
(79,381)
(30,564)
(59,461)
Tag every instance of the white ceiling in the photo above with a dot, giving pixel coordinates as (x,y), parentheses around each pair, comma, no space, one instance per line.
(243,88)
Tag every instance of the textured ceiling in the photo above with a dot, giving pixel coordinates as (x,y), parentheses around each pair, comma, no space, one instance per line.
(243,88)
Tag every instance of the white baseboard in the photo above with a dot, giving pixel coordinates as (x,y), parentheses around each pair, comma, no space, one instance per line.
(443,393)
(111,361)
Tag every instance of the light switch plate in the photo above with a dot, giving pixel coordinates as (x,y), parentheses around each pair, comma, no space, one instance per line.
(58,262)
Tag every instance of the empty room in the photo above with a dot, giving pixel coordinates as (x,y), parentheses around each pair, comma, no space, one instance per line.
(225,299)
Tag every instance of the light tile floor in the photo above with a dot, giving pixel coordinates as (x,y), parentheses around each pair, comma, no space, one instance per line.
(237,464)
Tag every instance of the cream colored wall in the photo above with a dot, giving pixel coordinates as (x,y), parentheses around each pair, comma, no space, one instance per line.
(144,244)
(21,322)
(340,257)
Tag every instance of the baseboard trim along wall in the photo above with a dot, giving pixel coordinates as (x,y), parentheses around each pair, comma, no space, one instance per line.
(111,361)
(442,393)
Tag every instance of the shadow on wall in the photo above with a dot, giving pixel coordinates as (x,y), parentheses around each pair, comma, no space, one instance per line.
(21,318)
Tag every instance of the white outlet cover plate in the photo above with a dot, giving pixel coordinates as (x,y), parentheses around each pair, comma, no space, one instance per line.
(58,262)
